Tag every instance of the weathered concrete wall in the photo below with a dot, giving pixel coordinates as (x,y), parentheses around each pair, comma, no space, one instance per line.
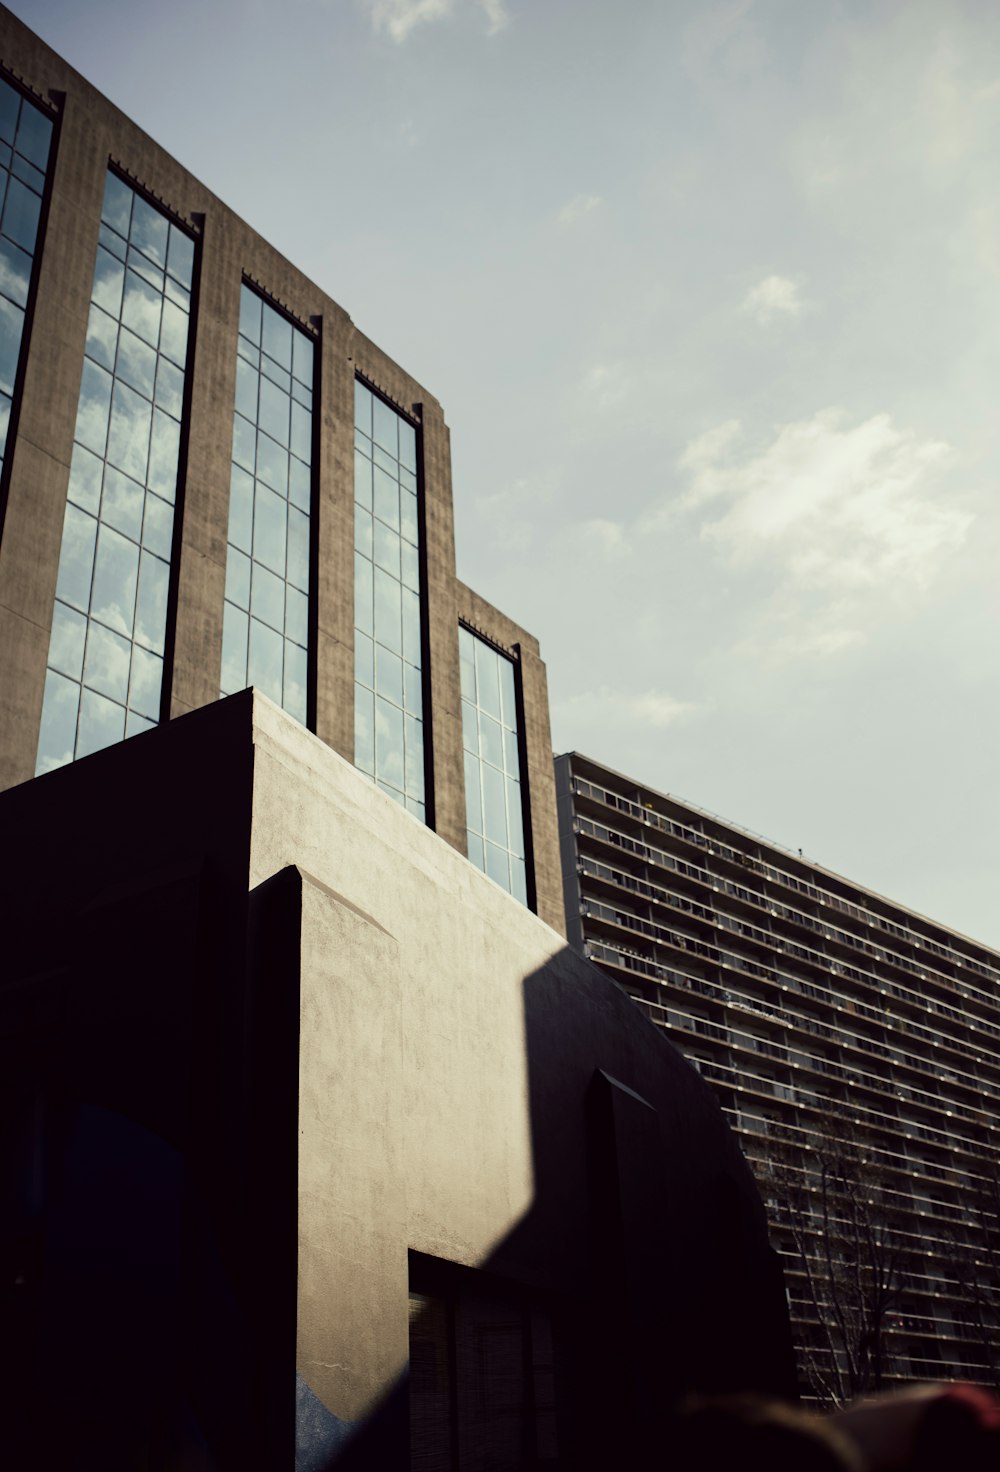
(448,1050)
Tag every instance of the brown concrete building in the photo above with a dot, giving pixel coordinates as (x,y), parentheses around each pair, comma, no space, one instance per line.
(318,1146)
(854,1046)
(213,479)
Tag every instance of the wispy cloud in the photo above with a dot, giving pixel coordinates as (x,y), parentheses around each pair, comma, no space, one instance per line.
(774,297)
(607,536)
(397,18)
(607,384)
(606,708)
(578,206)
(845,515)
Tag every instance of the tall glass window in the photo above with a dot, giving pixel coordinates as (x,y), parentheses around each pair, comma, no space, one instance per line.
(494,804)
(105,669)
(25,140)
(265,637)
(388,691)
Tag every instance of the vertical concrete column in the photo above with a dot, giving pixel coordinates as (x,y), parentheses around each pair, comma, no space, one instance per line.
(550,904)
(352,1332)
(442,624)
(333,593)
(204,506)
(41,452)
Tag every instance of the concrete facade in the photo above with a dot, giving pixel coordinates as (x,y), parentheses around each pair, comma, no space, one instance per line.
(299,1066)
(91,134)
(811,1006)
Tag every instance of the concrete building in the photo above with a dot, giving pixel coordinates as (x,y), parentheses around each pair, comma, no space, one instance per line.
(815,1009)
(318,1145)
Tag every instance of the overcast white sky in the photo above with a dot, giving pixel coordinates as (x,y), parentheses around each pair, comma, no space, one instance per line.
(711,296)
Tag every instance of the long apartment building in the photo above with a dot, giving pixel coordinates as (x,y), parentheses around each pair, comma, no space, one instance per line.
(813,1007)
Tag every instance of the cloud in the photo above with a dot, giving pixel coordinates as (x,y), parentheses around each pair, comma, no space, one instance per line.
(843,518)
(578,206)
(722,41)
(775,296)
(606,708)
(397,18)
(608,536)
(608,384)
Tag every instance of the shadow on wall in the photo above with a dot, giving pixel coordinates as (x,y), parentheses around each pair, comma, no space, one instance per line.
(641,1272)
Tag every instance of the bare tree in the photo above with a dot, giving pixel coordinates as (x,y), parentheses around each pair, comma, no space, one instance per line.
(830,1200)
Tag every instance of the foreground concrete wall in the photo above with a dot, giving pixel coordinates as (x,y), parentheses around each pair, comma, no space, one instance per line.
(237,973)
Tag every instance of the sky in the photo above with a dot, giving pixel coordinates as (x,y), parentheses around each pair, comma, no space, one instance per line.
(710,294)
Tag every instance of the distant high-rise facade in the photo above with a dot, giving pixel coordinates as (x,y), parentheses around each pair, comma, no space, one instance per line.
(854,1045)
(210,479)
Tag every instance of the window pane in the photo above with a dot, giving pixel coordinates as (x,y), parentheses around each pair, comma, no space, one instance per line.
(363,408)
(69,631)
(151,608)
(267,597)
(76,559)
(364,617)
(386,549)
(473,795)
(158,526)
(142,308)
(386,498)
(250,313)
(164,450)
(238,577)
(146,683)
(122,504)
(270,512)
(276,340)
(235,626)
(364,731)
(173,333)
(107,664)
(364,661)
(294,693)
(296,616)
(389,742)
(180,256)
(388,675)
(94,408)
(117,210)
(57,736)
(273,415)
(241,509)
(109,281)
(384,431)
(265,660)
(85,475)
(102,723)
(20,215)
(298,549)
(494,805)
(388,619)
(128,437)
(102,338)
(116,571)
